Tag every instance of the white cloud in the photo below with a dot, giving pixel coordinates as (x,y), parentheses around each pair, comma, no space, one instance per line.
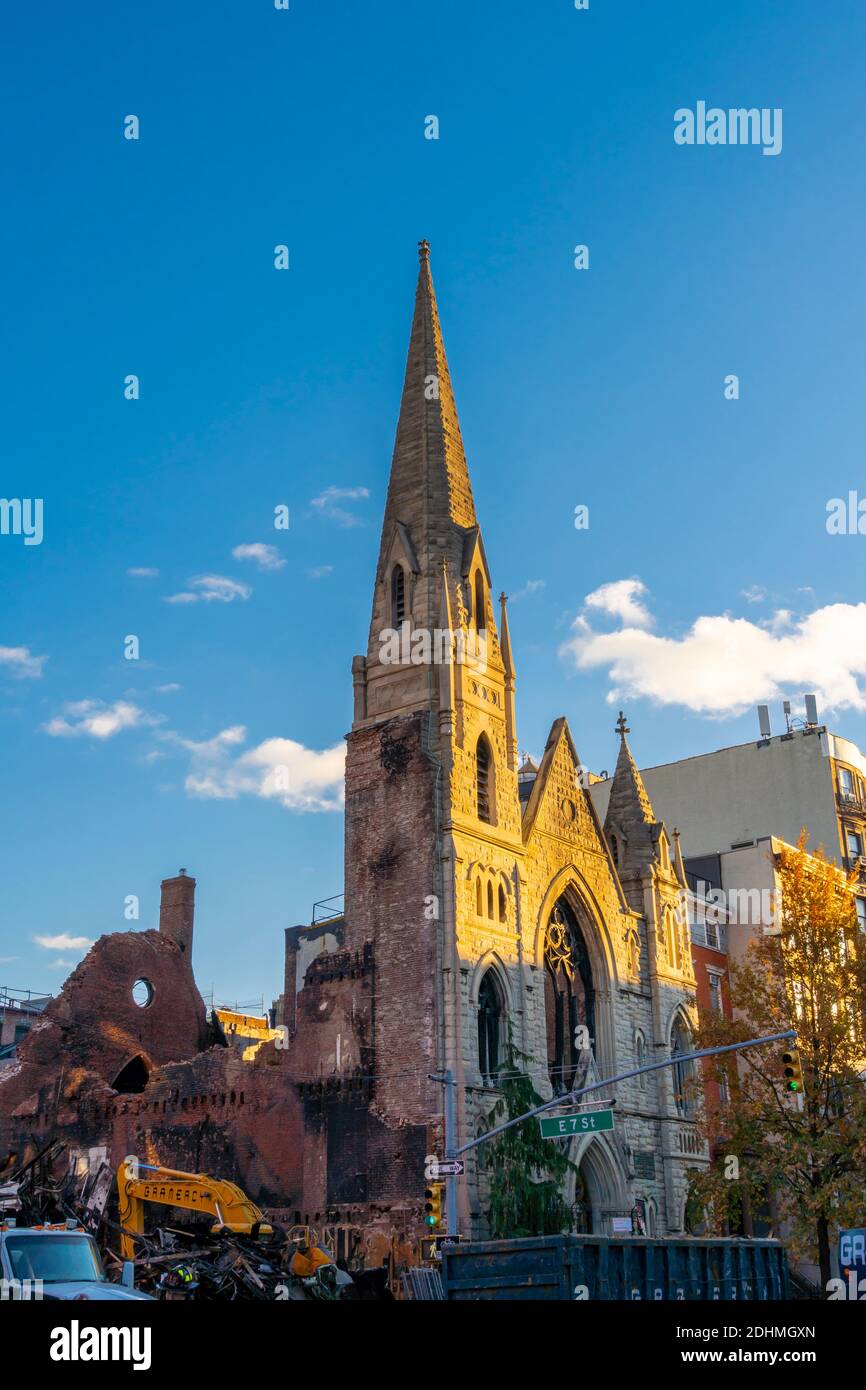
(267,557)
(302,779)
(320,572)
(168,689)
(142,572)
(530,587)
(63,942)
(21,663)
(325,504)
(210,588)
(622,599)
(96,719)
(723,665)
(756,593)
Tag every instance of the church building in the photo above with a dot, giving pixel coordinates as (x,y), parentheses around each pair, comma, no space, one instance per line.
(490,905)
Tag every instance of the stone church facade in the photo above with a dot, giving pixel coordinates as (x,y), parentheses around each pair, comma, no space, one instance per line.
(496,908)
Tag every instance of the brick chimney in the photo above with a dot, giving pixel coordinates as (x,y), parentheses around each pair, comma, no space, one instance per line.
(176,910)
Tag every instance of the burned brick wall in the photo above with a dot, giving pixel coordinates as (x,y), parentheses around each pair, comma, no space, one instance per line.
(391,883)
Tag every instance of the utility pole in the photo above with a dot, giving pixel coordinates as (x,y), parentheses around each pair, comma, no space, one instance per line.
(446,1079)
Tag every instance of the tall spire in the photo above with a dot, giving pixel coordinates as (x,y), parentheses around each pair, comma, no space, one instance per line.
(430,534)
(429,462)
(429,446)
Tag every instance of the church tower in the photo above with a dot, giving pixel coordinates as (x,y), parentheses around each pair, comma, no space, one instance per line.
(432,750)
(485,905)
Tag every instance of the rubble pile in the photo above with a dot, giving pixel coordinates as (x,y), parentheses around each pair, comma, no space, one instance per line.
(224,1267)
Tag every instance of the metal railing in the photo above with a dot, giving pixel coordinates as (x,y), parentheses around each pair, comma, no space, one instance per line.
(328,912)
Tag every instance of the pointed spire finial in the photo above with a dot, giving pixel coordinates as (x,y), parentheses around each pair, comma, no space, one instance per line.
(621,727)
(423,250)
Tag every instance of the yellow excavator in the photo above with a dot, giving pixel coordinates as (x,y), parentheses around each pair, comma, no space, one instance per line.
(138,1183)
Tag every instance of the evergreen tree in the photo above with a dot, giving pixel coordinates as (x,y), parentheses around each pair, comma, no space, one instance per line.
(526,1172)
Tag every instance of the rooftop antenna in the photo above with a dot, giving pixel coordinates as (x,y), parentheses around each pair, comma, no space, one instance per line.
(786,708)
(764,721)
(811,711)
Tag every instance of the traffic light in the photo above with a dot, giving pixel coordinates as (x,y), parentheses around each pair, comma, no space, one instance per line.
(791,1071)
(433,1205)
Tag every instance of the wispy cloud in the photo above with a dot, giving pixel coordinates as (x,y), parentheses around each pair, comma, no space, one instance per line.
(279,769)
(756,593)
(211,588)
(623,599)
(267,557)
(142,572)
(168,689)
(723,665)
(325,504)
(531,586)
(320,571)
(21,663)
(96,719)
(63,942)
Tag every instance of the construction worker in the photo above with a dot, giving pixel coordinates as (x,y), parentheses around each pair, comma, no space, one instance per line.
(178,1284)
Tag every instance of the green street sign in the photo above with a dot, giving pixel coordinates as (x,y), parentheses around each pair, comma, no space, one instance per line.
(587,1122)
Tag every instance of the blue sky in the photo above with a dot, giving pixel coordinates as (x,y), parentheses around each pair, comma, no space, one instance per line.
(258,388)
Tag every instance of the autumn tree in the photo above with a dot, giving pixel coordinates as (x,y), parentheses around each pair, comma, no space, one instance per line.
(805,1153)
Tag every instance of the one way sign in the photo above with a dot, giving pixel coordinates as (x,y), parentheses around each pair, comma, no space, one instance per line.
(443,1168)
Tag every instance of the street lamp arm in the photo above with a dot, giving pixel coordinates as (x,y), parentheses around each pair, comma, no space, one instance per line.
(624,1076)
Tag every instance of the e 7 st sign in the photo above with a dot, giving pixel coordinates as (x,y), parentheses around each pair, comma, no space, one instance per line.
(564,1126)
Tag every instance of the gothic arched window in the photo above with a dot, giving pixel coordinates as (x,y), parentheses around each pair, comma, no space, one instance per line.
(480,604)
(490,901)
(398,596)
(479,899)
(502,903)
(683,1072)
(569,996)
(483,766)
(491,1015)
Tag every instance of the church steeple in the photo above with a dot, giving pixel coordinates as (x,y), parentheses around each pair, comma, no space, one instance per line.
(428,452)
(630,824)
(431,556)
(629,802)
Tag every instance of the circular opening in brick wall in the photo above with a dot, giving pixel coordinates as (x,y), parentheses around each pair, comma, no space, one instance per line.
(142,993)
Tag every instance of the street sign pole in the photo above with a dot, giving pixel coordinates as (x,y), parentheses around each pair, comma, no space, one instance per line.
(446,1079)
(450,1145)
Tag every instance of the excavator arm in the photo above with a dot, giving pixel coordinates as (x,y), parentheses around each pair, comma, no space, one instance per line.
(138,1183)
